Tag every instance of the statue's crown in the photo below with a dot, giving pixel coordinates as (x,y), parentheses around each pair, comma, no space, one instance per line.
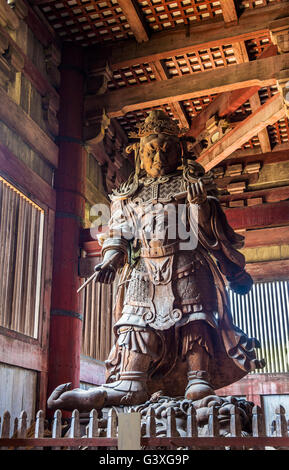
(157,122)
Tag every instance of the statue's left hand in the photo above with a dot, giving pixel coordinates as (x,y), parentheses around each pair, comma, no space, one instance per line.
(241,284)
(197,193)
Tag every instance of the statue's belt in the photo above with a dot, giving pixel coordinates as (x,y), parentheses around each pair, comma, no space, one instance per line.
(159,251)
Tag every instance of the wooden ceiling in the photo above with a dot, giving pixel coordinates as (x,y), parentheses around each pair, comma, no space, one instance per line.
(190,58)
(89,22)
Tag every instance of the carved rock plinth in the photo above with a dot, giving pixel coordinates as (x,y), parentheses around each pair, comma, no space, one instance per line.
(163,416)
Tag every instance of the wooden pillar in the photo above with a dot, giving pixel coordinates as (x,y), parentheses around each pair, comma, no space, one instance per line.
(66,310)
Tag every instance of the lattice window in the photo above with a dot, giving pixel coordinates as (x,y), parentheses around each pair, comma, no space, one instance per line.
(252,143)
(257,45)
(200,61)
(267,92)
(165,15)
(86,21)
(257,3)
(194,106)
(279,132)
(130,76)
(21,246)
(241,113)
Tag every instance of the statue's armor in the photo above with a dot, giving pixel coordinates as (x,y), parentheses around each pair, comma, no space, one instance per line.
(169,284)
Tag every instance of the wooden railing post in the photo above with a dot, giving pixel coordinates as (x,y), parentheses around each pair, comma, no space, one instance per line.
(235,423)
(171,423)
(213,423)
(150,425)
(5,429)
(39,427)
(74,426)
(258,423)
(281,423)
(93,426)
(22,427)
(56,426)
(111,424)
(192,427)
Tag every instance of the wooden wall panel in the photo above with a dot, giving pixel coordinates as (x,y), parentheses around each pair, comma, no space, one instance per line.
(18,391)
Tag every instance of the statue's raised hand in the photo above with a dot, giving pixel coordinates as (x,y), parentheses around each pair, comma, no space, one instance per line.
(197,193)
(106,271)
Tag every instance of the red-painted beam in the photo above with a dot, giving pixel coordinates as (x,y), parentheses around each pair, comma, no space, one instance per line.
(265,215)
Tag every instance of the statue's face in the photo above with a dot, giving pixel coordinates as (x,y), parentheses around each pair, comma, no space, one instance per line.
(160,154)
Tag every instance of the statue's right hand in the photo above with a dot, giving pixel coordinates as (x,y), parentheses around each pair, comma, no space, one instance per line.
(105,272)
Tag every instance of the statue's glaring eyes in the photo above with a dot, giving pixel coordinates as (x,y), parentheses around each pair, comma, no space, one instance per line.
(160,154)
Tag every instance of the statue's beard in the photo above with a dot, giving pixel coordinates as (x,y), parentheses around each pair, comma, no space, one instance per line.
(157,170)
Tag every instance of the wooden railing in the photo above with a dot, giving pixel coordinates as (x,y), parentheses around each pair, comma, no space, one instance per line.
(91,432)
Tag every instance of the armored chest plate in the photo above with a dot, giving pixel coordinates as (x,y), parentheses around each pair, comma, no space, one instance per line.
(162,189)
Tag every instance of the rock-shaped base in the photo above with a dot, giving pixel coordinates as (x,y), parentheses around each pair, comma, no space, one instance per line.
(161,405)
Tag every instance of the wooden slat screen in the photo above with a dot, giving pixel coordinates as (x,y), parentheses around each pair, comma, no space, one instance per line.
(264,314)
(21,244)
(97,334)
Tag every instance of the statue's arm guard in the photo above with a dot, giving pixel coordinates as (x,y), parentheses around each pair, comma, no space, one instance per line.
(120,231)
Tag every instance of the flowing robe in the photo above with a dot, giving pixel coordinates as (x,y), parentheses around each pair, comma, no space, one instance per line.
(172,284)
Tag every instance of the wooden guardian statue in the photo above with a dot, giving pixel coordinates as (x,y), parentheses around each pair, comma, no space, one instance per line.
(170,238)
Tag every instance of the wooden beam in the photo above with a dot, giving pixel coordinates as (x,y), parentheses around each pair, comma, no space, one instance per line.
(279,153)
(8,18)
(176,107)
(266,115)
(240,52)
(135,19)
(267,195)
(19,174)
(263,72)
(180,113)
(228,102)
(225,104)
(263,136)
(38,80)
(269,270)
(266,215)
(229,11)
(15,118)
(252,24)
(40,26)
(267,236)
(21,351)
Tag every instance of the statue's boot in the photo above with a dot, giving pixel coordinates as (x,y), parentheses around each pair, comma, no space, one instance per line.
(198,359)
(130,389)
(83,400)
(198,385)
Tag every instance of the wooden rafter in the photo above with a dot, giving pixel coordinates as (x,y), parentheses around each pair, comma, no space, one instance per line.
(176,107)
(265,115)
(229,11)
(254,100)
(135,19)
(263,134)
(224,105)
(263,72)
